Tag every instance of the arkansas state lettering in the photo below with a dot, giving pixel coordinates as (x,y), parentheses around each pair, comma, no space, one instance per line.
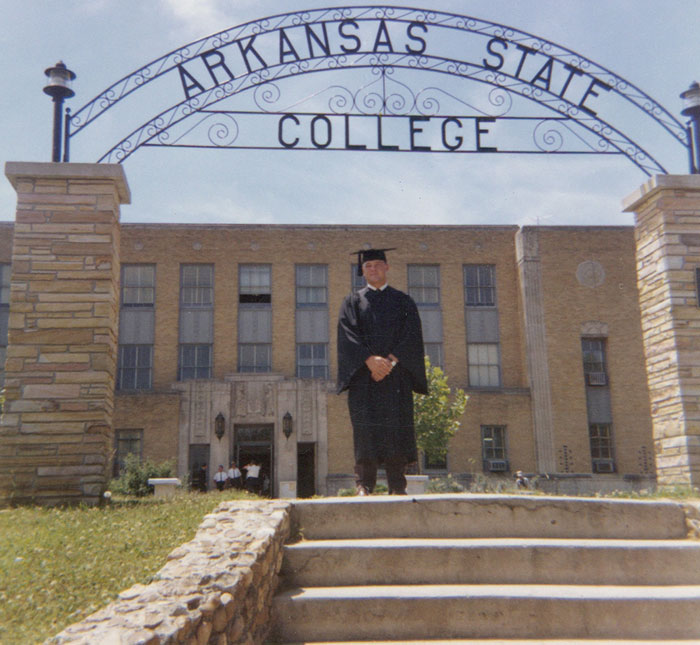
(296,44)
(399,41)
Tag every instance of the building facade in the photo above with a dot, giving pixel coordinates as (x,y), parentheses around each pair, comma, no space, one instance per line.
(227,348)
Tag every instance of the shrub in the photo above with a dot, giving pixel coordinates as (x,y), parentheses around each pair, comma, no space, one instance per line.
(444,485)
(379,489)
(133,478)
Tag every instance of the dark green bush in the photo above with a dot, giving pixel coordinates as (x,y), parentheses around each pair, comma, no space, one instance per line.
(134,476)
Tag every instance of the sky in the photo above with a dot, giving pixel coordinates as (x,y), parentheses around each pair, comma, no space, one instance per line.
(651,43)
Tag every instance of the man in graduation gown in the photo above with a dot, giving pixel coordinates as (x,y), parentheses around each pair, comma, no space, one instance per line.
(381,364)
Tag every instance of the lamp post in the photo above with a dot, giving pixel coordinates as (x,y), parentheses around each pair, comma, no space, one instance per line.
(58,87)
(691,100)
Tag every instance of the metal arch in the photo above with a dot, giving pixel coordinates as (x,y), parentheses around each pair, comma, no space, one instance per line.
(159,125)
(155,69)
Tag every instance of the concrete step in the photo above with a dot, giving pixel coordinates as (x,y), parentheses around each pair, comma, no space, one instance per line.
(491,561)
(474,516)
(413,612)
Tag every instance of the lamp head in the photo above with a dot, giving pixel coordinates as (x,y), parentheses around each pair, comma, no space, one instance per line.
(219,426)
(287,425)
(59,81)
(691,101)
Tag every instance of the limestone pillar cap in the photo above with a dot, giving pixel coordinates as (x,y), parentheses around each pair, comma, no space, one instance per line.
(16,171)
(656,184)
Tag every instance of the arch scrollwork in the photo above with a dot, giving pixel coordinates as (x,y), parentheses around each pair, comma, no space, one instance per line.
(379,58)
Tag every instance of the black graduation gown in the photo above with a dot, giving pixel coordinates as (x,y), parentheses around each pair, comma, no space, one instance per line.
(381,323)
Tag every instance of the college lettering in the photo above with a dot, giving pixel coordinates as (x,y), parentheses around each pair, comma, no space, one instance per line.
(410,133)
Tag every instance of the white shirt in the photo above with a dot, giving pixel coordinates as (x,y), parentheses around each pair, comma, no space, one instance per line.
(233,473)
(252,470)
(220,476)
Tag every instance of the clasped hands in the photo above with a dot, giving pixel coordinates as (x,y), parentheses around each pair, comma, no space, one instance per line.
(381,367)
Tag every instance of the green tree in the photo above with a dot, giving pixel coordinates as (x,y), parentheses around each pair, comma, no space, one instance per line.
(437,414)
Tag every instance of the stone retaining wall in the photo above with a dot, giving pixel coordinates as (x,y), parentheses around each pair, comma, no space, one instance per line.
(215,590)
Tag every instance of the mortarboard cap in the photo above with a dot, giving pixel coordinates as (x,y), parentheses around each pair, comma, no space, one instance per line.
(365,255)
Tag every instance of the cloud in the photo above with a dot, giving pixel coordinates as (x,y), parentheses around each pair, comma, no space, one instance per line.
(200,16)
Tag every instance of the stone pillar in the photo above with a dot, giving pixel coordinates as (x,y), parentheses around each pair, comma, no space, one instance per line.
(56,435)
(530,273)
(667,210)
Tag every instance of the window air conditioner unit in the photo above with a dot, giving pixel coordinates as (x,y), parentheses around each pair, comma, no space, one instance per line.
(496,465)
(597,378)
(604,466)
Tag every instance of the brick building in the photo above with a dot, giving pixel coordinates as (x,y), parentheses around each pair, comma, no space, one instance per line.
(230,328)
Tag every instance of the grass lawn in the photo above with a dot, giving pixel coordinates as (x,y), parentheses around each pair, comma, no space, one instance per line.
(59,565)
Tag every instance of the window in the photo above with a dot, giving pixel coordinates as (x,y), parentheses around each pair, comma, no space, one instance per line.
(481,316)
(195,362)
(493,442)
(312,360)
(254,357)
(254,283)
(434,354)
(196,333)
(311,284)
(4,316)
(484,365)
(312,321)
(594,361)
(5,284)
(255,318)
(424,288)
(197,285)
(493,449)
(479,285)
(602,455)
(424,284)
(138,285)
(357,282)
(593,355)
(136,327)
(135,367)
(127,442)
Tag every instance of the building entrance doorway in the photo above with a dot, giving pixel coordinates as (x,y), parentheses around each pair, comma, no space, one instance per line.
(199,466)
(306,469)
(253,444)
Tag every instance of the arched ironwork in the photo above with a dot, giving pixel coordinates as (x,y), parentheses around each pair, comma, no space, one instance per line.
(567,86)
